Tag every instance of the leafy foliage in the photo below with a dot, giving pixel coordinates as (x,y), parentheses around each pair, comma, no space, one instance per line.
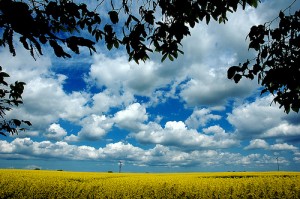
(277,65)
(59,23)
(160,25)
(10,95)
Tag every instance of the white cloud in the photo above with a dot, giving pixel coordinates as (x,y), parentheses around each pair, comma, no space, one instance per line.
(159,155)
(257,144)
(71,138)
(209,53)
(261,119)
(211,87)
(121,151)
(283,130)
(27,133)
(46,95)
(132,117)
(296,159)
(200,118)
(118,74)
(176,126)
(283,146)
(87,152)
(212,49)
(6,147)
(45,102)
(104,101)
(23,67)
(55,132)
(94,127)
(177,134)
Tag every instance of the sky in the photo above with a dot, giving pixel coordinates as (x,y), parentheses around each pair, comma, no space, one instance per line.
(91,112)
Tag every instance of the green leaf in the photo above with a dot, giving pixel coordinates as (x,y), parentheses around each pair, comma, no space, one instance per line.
(109,45)
(116,44)
(221,20)
(295,108)
(164,57)
(253,3)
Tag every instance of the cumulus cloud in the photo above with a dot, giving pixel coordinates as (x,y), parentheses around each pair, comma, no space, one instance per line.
(120,151)
(45,102)
(71,138)
(210,87)
(283,146)
(209,53)
(55,132)
(104,101)
(283,130)
(257,144)
(131,118)
(200,118)
(262,144)
(260,119)
(212,49)
(23,67)
(118,74)
(63,150)
(178,135)
(159,155)
(94,127)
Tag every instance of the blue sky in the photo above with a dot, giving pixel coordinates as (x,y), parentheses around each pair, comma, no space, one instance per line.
(90,112)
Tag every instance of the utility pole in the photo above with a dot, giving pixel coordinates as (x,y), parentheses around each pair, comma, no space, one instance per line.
(120,166)
(277,164)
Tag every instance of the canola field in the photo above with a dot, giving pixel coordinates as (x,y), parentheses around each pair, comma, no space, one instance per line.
(61,184)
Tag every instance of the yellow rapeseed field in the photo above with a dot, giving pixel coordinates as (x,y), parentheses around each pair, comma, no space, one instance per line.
(60,184)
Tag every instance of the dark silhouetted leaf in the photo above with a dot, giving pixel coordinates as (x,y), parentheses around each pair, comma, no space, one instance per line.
(27,122)
(231,71)
(113,17)
(237,78)
(24,42)
(164,57)
(2,133)
(16,122)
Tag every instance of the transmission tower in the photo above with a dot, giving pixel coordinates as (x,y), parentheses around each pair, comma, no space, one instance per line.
(277,164)
(120,166)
